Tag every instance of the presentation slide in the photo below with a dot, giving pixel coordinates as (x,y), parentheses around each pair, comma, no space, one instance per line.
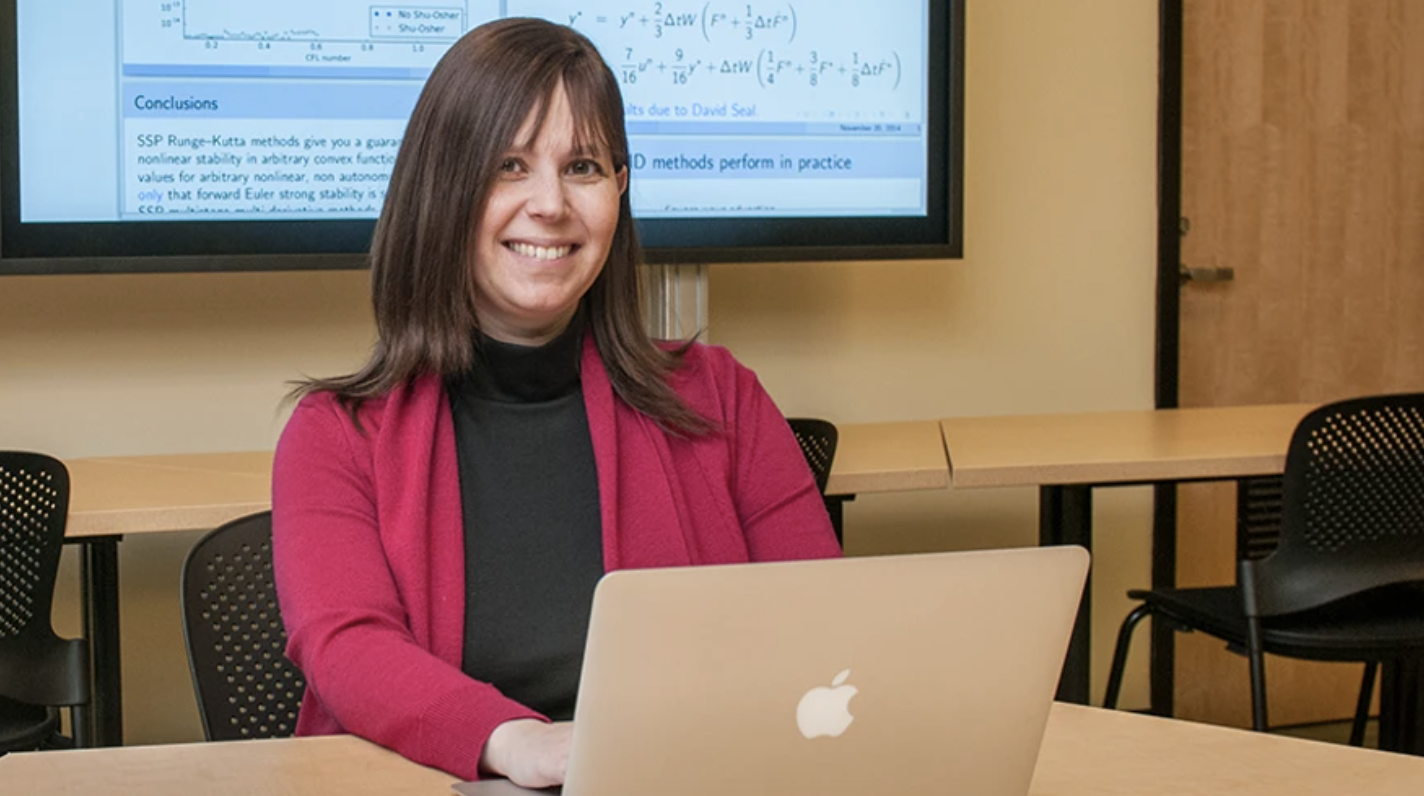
(264,109)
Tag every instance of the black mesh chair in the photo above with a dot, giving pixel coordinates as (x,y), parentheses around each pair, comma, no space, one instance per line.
(1346,579)
(818,443)
(245,685)
(39,671)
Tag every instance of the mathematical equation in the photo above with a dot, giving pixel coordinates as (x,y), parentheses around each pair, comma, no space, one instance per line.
(769,68)
(714,22)
(816,69)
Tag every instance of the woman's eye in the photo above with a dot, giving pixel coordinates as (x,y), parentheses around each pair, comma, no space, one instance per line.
(585,167)
(509,165)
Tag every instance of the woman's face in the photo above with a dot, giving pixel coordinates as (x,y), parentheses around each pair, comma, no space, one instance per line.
(546,230)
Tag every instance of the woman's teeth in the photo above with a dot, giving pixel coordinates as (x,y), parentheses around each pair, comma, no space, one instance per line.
(540,252)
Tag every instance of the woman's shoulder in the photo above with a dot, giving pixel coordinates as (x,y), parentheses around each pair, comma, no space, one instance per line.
(327,411)
(328,406)
(321,419)
(703,358)
(705,365)
(709,374)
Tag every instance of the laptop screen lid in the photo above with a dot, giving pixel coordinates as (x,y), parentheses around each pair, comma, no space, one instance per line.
(929,673)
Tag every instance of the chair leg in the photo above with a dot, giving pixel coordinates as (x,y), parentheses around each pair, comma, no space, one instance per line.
(1258,674)
(80,728)
(1362,707)
(1119,661)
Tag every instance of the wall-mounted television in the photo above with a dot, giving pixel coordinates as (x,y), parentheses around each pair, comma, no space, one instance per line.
(203,135)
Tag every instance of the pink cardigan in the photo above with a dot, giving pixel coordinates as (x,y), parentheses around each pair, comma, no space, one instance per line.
(368,540)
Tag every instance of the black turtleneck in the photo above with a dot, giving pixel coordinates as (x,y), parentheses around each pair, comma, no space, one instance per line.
(533,533)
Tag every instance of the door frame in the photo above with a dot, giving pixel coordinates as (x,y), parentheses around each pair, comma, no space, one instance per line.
(1168,344)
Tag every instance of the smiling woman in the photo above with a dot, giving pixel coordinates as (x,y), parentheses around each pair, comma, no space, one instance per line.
(441,516)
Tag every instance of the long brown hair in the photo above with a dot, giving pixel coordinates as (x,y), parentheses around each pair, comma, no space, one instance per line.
(476,100)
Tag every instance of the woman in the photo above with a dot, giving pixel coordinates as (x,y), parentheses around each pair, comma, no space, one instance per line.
(441,515)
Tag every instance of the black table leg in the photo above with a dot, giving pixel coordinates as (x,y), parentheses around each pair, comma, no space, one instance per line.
(1402,706)
(1162,668)
(99,584)
(835,506)
(82,725)
(1065,516)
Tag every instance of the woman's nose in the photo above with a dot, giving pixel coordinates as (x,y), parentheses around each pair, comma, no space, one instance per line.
(546,196)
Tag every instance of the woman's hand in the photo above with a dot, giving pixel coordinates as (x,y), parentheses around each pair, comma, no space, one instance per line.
(530,753)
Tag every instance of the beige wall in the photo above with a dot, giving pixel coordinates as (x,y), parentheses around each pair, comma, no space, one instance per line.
(1050,310)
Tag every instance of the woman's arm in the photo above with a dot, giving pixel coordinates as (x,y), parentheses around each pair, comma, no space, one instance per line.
(346,622)
(781,511)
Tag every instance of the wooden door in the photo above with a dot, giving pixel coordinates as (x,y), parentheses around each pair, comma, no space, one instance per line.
(1303,171)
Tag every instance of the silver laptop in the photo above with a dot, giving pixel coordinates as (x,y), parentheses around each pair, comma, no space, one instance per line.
(906,674)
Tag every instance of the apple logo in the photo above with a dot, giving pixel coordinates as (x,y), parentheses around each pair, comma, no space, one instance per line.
(826,711)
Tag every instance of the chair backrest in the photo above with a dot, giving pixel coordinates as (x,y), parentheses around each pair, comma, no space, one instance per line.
(1258,516)
(36,666)
(818,442)
(245,685)
(1353,506)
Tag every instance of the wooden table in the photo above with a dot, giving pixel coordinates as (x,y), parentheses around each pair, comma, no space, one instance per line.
(1067,455)
(1116,753)
(341,765)
(112,497)
(1127,447)
(888,457)
(1086,752)
(884,457)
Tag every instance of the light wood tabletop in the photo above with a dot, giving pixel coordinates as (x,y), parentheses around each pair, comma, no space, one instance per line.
(1086,751)
(155,494)
(342,765)
(888,457)
(1116,753)
(1120,447)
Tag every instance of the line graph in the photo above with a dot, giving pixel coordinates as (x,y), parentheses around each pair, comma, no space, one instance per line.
(333,21)
(282,38)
